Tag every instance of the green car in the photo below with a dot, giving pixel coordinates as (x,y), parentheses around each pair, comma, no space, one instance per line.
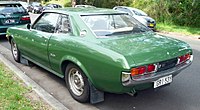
(99,50)
(12,14)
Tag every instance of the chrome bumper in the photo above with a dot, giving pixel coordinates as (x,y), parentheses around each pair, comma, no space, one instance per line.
(149,78)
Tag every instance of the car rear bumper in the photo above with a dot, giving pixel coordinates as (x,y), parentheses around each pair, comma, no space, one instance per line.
(153,77)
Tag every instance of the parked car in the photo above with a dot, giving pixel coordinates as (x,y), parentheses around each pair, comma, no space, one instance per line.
(97,50)
(35,7)
(54,5)
(51,6)
(12,14)
(24,4)
(139,15)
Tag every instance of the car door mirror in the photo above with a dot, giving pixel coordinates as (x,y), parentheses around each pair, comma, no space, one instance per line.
(29,26)
(83,33)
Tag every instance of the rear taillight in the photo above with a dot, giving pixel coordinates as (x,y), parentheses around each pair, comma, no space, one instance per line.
(138,70)
(151,68)
(143,70)
(134,71)
(25,18)
(183,58)
(187,56)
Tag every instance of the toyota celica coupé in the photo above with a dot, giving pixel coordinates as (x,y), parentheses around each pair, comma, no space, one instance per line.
(99,50)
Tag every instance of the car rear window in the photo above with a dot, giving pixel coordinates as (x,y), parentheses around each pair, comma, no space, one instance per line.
(108,25)
(139,12)
(11,9)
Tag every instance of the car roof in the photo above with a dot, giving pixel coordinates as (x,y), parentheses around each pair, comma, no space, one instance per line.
(84,11)
(9,2)
(121,7)
(130,8)
(52,4)
(85,6)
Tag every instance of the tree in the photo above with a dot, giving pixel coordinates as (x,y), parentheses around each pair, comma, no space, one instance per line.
(179,12)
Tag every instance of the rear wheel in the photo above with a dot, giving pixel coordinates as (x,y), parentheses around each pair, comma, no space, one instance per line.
(77,83)
(15,51)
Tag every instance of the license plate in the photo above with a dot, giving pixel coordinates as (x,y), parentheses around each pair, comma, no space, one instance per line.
(151,25)
(9,21)
(162,81)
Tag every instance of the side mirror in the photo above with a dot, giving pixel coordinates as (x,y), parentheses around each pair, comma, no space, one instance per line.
(29,26)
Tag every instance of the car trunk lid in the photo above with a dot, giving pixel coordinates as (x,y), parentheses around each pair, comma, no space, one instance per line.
(146,48)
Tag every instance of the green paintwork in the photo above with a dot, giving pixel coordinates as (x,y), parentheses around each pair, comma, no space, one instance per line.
(102,60)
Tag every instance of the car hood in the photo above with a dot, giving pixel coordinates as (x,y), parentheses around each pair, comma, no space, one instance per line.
(146,48)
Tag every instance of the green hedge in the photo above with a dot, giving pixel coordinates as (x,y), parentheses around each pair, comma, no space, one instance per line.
(178,12)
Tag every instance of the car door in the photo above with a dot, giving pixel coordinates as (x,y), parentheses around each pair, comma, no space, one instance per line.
(35,44)
(59,42)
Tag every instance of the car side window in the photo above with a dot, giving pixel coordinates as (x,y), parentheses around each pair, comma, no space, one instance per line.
(46,23)
(63,24)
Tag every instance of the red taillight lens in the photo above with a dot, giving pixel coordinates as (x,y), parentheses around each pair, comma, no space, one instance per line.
(184,58)
(181,58)
(187,56)
(151,68)
(142,70)
(25,18)
(138,71)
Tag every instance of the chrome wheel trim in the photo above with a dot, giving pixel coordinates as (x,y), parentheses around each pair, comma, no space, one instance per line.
(76,81)
(14,50)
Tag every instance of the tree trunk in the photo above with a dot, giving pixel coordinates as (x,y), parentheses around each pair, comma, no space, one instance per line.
(73,3)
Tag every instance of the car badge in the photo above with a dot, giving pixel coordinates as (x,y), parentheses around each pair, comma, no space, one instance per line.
(161,65)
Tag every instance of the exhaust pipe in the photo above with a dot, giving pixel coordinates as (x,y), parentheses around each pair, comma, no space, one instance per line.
(132,93)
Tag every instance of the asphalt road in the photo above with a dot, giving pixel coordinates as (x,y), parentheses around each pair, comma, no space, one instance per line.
(182,94)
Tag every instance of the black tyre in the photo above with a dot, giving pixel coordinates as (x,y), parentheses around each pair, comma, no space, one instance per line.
(15,51)
(77,83)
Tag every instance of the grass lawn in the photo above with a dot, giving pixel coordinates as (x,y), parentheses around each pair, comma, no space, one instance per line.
(14,95)
(178,29)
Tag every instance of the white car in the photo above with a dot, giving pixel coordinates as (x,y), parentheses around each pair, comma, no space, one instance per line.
(24,4)
(140,15)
